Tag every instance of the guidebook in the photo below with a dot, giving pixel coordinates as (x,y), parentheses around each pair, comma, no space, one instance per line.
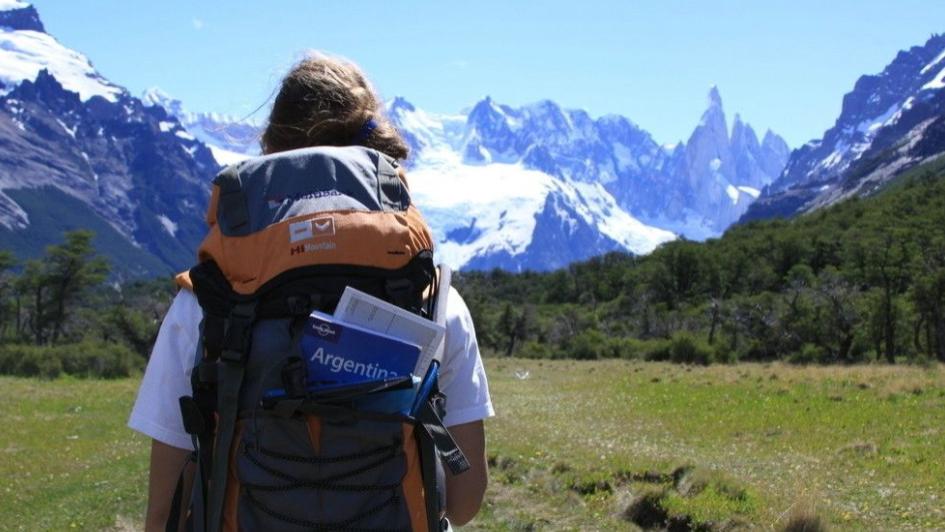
(369,312)
(337,352)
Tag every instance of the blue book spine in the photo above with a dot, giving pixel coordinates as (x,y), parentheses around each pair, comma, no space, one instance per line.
(342,353)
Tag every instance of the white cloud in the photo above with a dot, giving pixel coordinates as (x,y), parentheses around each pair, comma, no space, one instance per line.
(198,23)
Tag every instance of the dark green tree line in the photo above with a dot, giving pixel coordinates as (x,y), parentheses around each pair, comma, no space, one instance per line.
(59,313)
(862,280)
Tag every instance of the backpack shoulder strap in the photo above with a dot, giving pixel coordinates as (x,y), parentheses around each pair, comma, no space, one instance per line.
(444,276)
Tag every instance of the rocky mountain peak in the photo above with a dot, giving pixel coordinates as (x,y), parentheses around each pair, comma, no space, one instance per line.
(888,123)
(400,104)
(715,99)
(20,16)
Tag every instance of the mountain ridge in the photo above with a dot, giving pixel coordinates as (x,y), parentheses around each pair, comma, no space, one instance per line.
(681,188)
(888,123)
(562,185)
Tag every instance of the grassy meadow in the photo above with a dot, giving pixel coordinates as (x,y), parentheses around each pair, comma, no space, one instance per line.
(576,446)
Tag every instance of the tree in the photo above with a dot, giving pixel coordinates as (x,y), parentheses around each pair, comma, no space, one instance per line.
(508,326)
(7,261)
(839,317)
(71,268)
(48,288)
(32,312)
(928,294)
(884,262)
(675,274)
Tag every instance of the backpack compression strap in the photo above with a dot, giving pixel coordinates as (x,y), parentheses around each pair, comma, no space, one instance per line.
(443,278)
(437,445)
(236,343)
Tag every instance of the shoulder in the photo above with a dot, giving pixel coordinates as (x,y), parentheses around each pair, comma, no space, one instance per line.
(184,308)
(462,377)
(459,322)
(182,319)
(456,309)
(461,344)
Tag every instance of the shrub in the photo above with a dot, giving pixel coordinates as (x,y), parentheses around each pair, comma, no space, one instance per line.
(685,348)
(533,349)
(724,354)
(99,359)
(626,348)
(84,359)
(808,354)
(587,345)
(29,361)
(658,350)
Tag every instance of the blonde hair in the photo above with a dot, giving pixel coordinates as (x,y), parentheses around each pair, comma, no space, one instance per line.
(328,101)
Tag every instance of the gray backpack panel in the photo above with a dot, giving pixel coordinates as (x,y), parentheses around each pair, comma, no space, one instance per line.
(260,192)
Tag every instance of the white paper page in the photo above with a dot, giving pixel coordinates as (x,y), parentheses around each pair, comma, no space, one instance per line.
(375,314)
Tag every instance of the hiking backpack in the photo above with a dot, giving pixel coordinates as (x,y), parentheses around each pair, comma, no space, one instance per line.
(288,232)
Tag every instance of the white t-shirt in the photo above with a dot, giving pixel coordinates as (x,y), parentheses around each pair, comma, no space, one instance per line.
(156,412)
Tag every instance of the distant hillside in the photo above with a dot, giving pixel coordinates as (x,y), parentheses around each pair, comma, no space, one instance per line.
(77,151)
(889,122)
(862,280)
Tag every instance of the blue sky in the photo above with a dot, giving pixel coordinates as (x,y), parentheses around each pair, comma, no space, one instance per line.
(783,65)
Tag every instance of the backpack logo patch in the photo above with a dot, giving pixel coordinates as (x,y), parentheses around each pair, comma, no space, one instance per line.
(300,231)
(307,229)
(323,226)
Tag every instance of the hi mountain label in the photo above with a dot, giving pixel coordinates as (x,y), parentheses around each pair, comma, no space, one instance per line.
(314,228)
(340,353)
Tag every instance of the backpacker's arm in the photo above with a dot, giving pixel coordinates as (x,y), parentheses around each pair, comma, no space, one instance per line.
(464,492)
(167,465)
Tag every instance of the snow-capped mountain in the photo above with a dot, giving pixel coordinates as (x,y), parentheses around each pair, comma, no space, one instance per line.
(545,186)
(534,187)
(696,188)
(229,138)
(890,122)
(491,208)
(77,151)
(26,48)
(716,176)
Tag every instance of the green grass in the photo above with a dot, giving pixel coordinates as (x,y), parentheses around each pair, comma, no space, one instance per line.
(862,444)
(66,459)
(574,444)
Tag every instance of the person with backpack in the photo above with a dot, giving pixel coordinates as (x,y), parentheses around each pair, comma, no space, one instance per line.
(326,206)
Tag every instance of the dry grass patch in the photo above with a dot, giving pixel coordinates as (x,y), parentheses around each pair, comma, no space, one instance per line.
(802,516)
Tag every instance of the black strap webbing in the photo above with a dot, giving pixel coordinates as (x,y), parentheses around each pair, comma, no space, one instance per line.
(446,446)
(235,350)
(431,480)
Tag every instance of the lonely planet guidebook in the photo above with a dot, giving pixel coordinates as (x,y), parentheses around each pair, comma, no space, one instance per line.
(340,353)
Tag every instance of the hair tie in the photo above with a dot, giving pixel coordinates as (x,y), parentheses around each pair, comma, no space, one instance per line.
(365,131)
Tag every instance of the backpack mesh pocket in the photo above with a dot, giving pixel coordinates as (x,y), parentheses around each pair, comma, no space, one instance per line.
(312,473)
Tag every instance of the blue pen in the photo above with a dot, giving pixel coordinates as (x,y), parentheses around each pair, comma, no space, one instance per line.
(426,387)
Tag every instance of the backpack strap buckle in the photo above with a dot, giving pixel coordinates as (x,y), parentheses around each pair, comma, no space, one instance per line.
(237,331)
(194,421)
